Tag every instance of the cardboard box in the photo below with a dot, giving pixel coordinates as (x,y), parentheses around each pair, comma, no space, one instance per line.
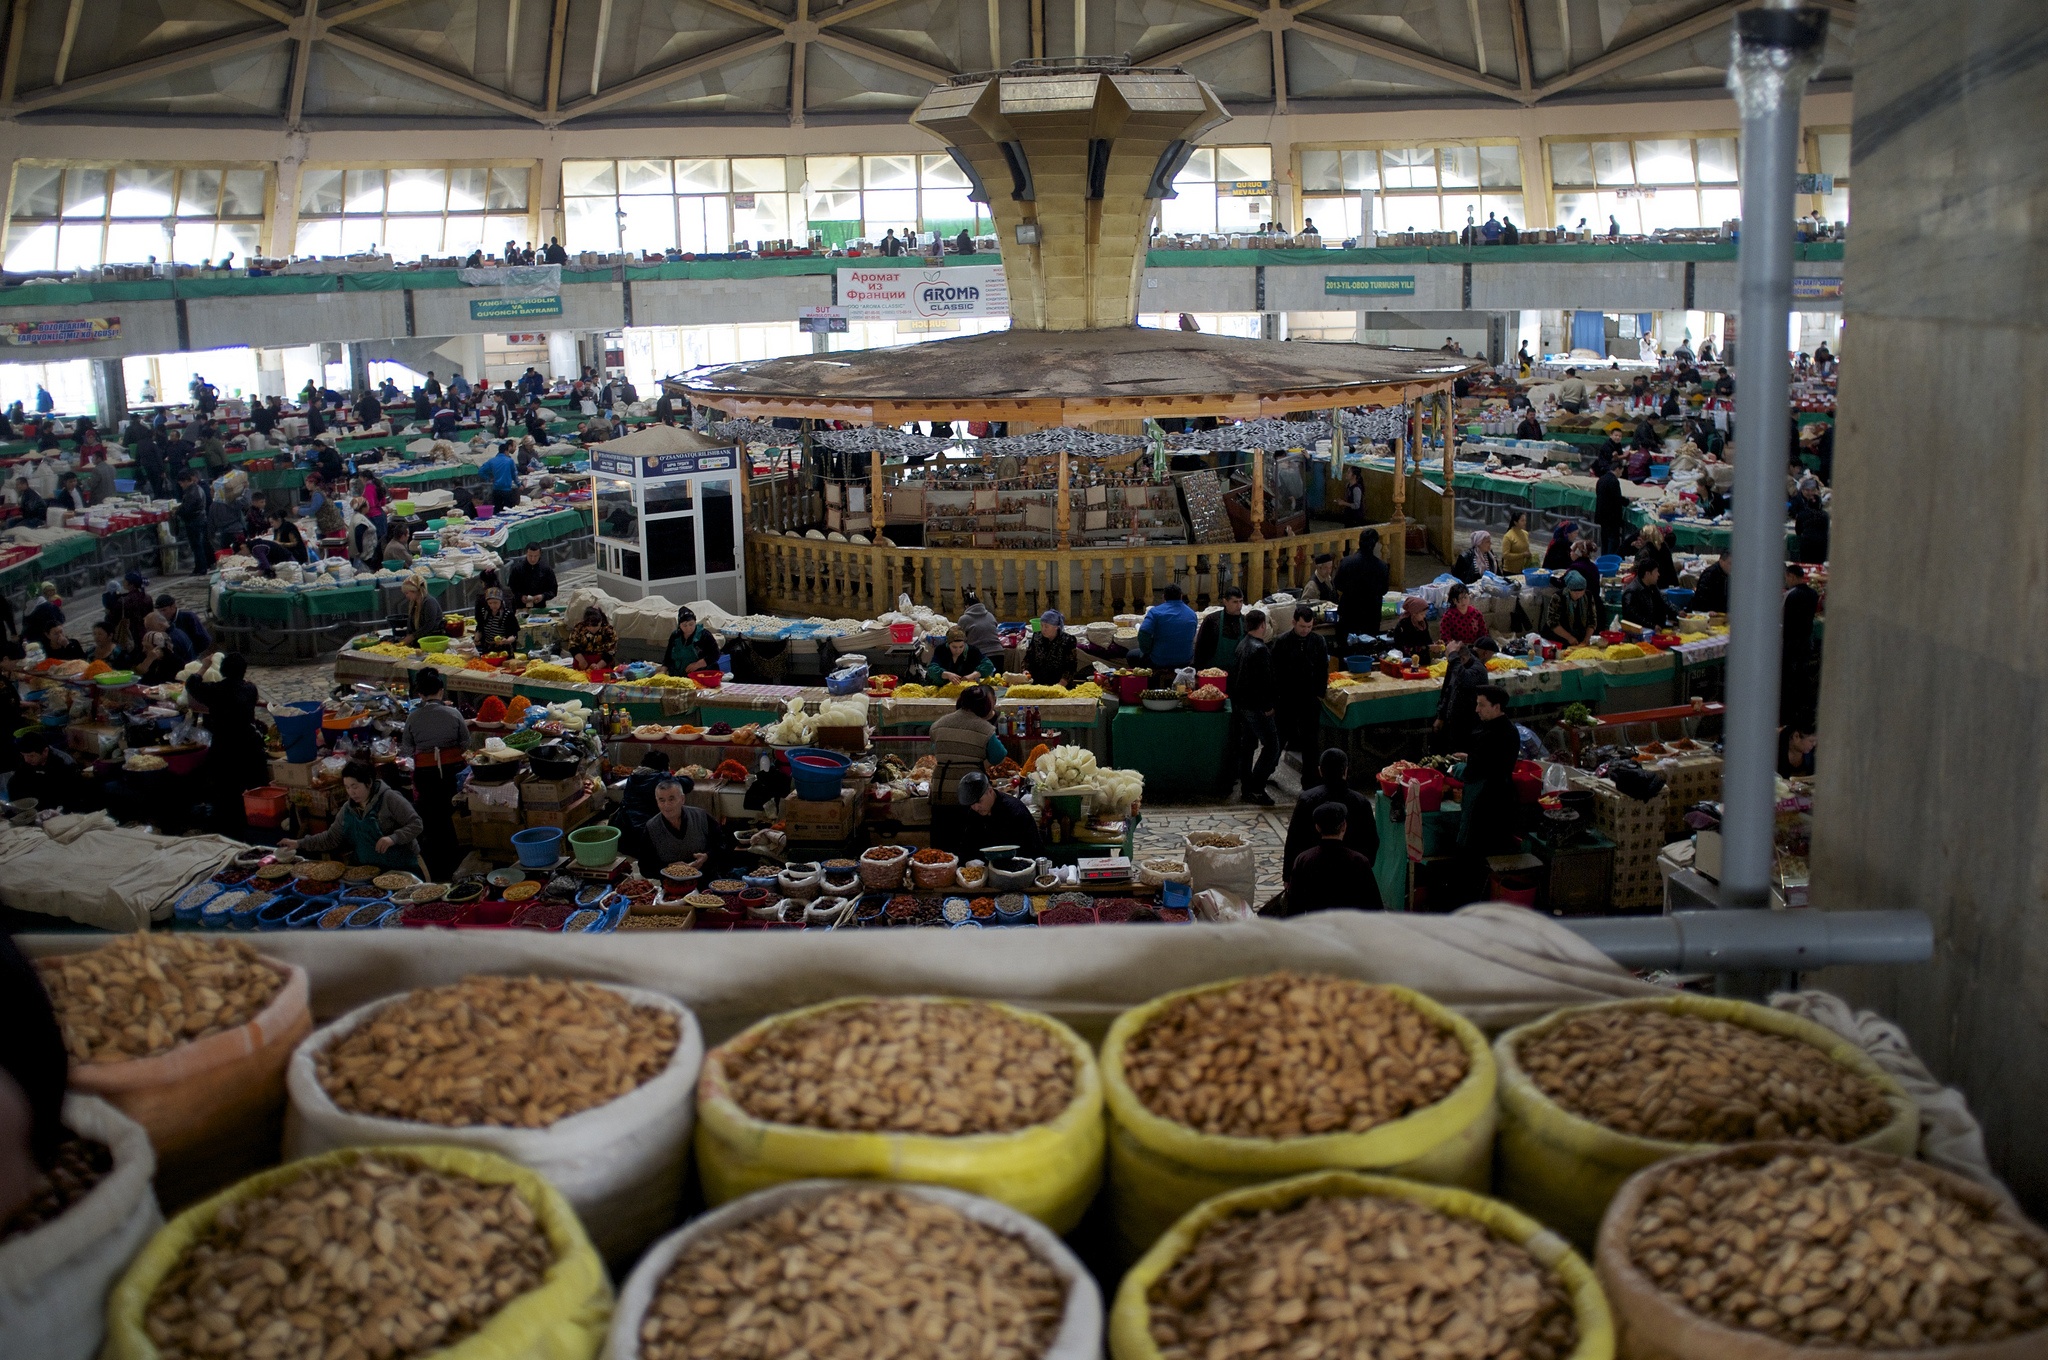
(94,739)
(833,820)
(481,811)
(550,794)
(288,775)
(568,818)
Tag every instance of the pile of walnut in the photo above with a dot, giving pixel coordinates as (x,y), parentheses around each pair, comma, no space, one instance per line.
(1289,1054)
(512,1052)
(1365,1276)
(145,994)
(380,1258)
(903,1066)
(855,1274)
(1825,1250)
(1693,1080)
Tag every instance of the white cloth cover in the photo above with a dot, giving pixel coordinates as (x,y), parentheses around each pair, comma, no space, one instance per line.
(133,874)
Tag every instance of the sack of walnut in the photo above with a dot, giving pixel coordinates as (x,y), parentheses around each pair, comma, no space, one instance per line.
(1237,1083)
(1589,1095)
(987,1098)
(1792,1251)
(1337,1263)
(54,1277)
(619,1160)
(213,1103)
(887,1273)
(521,1287)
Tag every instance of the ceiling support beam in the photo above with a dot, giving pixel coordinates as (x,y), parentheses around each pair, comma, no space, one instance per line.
(433,75)
(1478,34)
(1278,26)
(123,76)
(604,29)
(64,45)
(1564,30)
(1403,56)
(765,17)
(17,35)
(1642,47)
(302,61)
(511,39)
(1222,37)
(799,36)
(669,75)
(851,10)
(1518,16)
(995,35)
(557,39)
(361,9)
(277,14)
(882,56)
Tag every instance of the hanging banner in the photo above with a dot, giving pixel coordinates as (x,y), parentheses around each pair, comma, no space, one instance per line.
(80,331)
(528,280)
(664,464)
(920,294)
(1812,288)
(1371,285)
(1246,188)
(821,321)
(487,309)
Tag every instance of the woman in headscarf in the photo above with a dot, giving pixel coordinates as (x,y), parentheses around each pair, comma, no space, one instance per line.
(497,627)
(422,615)
(957,659)
(593,641)
(1051,657)
(1514,544)
(287,540)
(1411,630)
(1476,560)
(1558,555)
(979,623)
(690,647)
(158,665)
(104,647)
(377,822)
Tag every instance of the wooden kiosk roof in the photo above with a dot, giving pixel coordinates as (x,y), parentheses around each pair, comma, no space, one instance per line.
(1073,378)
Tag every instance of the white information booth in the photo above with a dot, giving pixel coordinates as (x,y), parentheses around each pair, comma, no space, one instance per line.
(668,518)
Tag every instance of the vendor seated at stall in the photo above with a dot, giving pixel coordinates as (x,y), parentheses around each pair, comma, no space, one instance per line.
(1166,635)
(1051,657)
(593,642)
(397,546)
(1572,615)
(423,617)
(989,817)
(636,795)
(49,775)
(378,824)
(964,742)
(957,659)
(61,646)
(158,663)
(1796,743)
(532,580)
(1321,586)
(286,541)
(1643,603)
(680,834)
(691,647)
(1558,555)
(1330,874)
(497,627)
(187,622)
(1710,592)
(1411,630)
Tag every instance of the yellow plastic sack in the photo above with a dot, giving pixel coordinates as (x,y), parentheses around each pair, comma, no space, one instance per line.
(564,1319)
(1050,1171)
(1564,1169)
(1158,1169)
(1130,1319)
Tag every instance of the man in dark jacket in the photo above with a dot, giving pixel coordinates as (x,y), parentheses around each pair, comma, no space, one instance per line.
(988,818)
(192,520)
(1254,693)
(1643,603)
(1463,677)
(35,511)
(1331,874)
(1610,511)
(532,580)
(1710,592)
(1795,665)
(1361,590)
(1360,833)
(1216,640)
(1301,674)
(1487,824)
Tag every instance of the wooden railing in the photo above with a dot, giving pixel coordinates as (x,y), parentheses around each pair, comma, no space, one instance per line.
(789,574)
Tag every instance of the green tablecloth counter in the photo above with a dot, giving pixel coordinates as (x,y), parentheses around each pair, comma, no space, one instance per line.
(427,476)
(544,529)
(69,548)
(1575,684)
(1182,755)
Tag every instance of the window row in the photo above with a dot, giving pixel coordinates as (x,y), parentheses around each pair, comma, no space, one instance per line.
(425,189)
(136,191)
(410,237)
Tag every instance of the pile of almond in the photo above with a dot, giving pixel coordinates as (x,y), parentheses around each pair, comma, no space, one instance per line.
(513,1052)
(1368,1277)
(1690,1079)
(1822,1249)
(853,1275)
(142,995)
(902,1066)
(378,1260)
(1289,1054)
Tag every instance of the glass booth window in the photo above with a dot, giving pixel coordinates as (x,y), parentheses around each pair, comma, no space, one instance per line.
(671,548)
(719,549)
(616,518)
(1647,185)
(671,497)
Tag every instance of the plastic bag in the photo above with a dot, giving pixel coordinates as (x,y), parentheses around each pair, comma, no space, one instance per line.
(54,1281)
(1213,904)
(620,1165)
(1049,1171)
(1080,1333)
(1186,676)
(563,1319)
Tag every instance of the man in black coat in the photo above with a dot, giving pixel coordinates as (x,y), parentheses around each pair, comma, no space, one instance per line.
(1301,675)
(532,580)
(1330,874)
(1487,824)
(1710,592)
(1463,677)
(1610,511)
(1796,687)
(1361,590)
(1360,832)
(1254,694)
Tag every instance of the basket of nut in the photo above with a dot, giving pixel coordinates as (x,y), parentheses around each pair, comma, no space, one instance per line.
(882,867)
(451,1251)
(1338,1263)
(934,869)
(189,1037)
(1299,1073)
(1793,1251)
(1578,1116)
(995,1281)
(591,1085)
(984,1097)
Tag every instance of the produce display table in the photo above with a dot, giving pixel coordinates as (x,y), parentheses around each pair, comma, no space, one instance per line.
(79,563)
(1182,755)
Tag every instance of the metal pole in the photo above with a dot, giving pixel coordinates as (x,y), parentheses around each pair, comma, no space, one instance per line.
(1776,50)
(1777,941)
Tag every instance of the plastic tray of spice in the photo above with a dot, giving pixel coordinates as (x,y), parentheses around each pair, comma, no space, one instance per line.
(544,916)
(1067,916)
(1115,910)
(433,914)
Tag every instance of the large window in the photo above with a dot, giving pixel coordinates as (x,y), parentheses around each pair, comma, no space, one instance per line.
(1827,153)
(1646,186)
(429,210)
(862,197)
(83,216)
(696,206)
(1221,189)
(1413,188)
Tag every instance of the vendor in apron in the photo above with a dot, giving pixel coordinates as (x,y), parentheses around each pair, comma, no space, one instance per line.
(377,824)
(964,742)
(1216,640)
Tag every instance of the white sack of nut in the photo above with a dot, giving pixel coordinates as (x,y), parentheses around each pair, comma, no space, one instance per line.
(140,996)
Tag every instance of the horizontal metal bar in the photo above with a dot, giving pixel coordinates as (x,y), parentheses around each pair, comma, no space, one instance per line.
(1742,941)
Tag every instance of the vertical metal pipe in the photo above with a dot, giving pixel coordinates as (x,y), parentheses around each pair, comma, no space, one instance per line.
(1776,51)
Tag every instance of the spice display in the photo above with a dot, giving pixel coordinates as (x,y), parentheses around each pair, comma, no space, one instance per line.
(1217,840)
(379,1258)
(142,995)
(1115,910)
(81,1164)
(1359,1276)
(1067,916)
(543,916)
(1822,1249)
(582,920)
(511,1052)
(854,1274)
(1696,1080)
(432,914)
(931,857)
(956,910)
(523,891)
(333,917)
(903,1066)
(982,908)
(1288,1054)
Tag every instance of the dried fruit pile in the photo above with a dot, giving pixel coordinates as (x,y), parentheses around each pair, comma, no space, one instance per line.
(903,1066)
(380,1258)
(513,1052)
(145,994)
(855,1274)
(1289,1054)
(1695,1080)
(1827,1250)
(81,1164)
(1366,1276)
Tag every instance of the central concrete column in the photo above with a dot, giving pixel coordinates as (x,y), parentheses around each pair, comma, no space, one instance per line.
(109,394)
(1933,790)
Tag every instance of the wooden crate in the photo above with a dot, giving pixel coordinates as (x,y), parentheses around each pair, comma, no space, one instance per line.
(806,820)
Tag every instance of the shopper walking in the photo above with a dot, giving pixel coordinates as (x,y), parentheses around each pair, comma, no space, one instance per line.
(235,760)
(1796,681)
(1334,770)
(1487,824)
(1255,695)
(1330,874)
(1361,590)
(1301,675)
(1610,511)
(437,737)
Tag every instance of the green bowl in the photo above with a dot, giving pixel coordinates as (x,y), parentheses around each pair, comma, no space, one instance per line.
(594,846)
(115,679)
(435,642)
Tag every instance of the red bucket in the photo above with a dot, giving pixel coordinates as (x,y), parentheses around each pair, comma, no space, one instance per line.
(1129,687)
(902,632)
(1528,781)
(1433,786)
